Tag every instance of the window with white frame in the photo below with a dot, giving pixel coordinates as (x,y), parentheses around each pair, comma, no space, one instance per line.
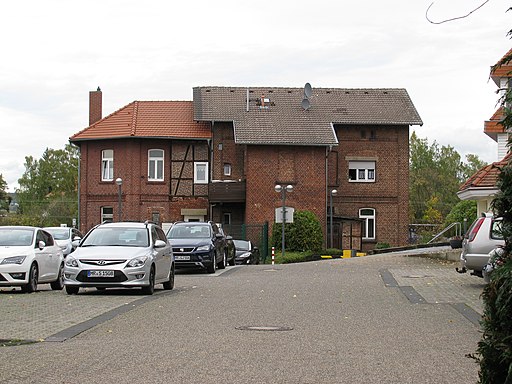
(201,172)
(361,171)
(107,214)
(368,215)
(155,165)
(107,165)
(227,169)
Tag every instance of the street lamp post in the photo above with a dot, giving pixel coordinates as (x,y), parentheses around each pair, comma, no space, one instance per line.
(282,189)
(119,183)
(333,192)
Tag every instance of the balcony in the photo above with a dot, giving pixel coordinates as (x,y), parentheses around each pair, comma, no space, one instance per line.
(226,191)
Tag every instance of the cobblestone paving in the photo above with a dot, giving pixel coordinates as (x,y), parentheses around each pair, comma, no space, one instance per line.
(440,284)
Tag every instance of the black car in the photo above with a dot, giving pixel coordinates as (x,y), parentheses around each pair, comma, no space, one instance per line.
(246,252)
(198,245)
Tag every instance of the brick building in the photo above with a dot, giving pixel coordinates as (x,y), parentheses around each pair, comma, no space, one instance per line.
(220,157)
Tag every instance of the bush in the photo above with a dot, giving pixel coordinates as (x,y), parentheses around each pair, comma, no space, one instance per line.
(304,234)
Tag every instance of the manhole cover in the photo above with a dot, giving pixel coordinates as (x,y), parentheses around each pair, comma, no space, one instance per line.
(263,328)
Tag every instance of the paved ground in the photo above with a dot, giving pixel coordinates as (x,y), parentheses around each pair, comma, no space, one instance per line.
(387,318)
(47,314)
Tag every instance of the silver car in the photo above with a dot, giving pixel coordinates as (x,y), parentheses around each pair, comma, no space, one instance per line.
(29,256)
(482,237)
(121,255)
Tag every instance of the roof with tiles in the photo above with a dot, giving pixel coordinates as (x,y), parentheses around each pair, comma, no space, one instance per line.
(493,126)
(503,68)
(276,116)
(487,176)
(148,119)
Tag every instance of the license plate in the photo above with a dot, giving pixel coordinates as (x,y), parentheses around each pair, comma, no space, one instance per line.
(182,258)
(100,273)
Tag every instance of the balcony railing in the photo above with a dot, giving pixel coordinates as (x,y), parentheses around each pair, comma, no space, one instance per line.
(226,192)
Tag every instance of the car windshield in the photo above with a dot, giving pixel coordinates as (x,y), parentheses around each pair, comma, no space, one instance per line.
(120,237)
(59,233)
(242,245)
(189,232)
(16,236)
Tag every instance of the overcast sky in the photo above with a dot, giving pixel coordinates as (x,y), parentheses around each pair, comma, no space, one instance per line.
(55,51)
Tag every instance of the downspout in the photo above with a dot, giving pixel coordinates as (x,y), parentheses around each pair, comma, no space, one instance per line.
(79,223)
(210,144)
(327,150)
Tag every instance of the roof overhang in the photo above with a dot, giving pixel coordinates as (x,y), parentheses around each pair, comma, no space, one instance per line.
(477,193)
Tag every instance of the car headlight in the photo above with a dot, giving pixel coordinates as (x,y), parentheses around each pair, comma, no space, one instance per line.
(137,262)
(14,260)
(244,255)
(71,262)
(203,248)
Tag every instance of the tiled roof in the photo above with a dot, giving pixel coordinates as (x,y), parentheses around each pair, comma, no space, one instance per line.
(493,126)
(504,70)
(487,176)
(148,119)
(282,119)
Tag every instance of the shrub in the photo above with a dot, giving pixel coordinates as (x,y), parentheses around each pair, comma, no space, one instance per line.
(304,234)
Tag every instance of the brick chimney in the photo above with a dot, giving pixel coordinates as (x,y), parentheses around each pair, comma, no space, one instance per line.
(95,106)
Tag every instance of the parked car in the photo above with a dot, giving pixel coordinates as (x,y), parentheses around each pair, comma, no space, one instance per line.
(246,252)
(229,247)
(121,255)
(482,237)
(64,237)
(197,245)
(28,257)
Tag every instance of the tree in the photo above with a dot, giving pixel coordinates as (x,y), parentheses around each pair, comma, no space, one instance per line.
(48,188)
(4,197)
(435,175)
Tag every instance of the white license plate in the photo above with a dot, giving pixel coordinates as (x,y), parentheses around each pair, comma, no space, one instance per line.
(182,258)
(100,273)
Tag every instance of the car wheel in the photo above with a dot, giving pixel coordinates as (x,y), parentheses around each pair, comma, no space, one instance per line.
(232,260)
(31,286)
(213,266)
(223,263)
(71,290)
(58,284)
(150,289)
(170,283)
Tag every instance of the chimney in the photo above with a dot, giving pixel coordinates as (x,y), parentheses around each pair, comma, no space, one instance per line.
(95,106)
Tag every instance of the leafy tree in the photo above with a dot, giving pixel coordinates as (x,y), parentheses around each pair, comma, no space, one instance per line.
(435,175)
(304,234)
(4,199)
(464,209)
(48,188)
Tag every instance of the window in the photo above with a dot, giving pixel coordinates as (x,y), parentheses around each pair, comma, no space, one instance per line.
(226,218)
(107,165)
(156,165)
(107,214)
(361,171)
(201,173)
(227,169)
(368,215)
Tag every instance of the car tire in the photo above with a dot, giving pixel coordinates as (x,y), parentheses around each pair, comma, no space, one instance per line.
(232,261)
(213,266)
(223,263)
(150,289)
(169,284)
(72,290)
(31,286)
(58,284)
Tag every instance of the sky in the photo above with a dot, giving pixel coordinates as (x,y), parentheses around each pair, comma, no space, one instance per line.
(56,51)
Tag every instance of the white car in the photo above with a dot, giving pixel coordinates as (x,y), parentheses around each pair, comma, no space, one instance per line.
(64,237)
(29,256)
(121,255)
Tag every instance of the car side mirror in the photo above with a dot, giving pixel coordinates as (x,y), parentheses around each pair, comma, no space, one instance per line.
(228,237)
(160,243)
(41,244)
(77,238)
(75,242)
(218,236)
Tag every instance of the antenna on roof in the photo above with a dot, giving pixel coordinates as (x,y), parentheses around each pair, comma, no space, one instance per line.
(308,91)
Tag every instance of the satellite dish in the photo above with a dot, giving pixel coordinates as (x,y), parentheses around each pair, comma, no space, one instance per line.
(305,104)
(307,90)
